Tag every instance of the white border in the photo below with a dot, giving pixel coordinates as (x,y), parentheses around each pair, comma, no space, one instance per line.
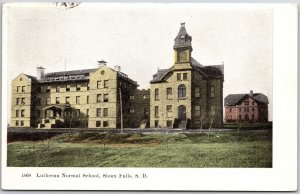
(282,177)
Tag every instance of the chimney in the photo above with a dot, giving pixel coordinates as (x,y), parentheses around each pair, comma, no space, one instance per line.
(40,72)
(117,68)
(251,92)
(102,63)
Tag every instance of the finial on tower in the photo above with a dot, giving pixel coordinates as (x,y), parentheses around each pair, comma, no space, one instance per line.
(182,24)
(102,62)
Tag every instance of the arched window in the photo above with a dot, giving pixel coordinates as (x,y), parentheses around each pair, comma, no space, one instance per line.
(181,91)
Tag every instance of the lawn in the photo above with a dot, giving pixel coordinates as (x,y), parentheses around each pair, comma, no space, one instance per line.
(222,149)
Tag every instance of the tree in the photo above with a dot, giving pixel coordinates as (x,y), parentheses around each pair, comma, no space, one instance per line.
(211,116)
(201,120)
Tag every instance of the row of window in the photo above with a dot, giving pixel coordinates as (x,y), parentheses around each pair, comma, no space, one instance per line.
(245,109)
(145,96)
(20,89)
(181,76)
(20,113)
(67,99)
(168,123)
(181,92)
(78,87)
(20,101)
(105,123)
(241,117)
(104,113)
(20,123)
(169,108)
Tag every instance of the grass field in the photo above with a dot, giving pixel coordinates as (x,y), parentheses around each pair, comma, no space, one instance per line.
(223,149)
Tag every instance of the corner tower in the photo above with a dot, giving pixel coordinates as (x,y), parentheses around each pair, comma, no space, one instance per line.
(182,46)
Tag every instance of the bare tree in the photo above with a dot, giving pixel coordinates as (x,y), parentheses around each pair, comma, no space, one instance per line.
(211,116)
(239,124)
(201,120)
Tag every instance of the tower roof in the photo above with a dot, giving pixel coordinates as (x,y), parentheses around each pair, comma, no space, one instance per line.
(183,39)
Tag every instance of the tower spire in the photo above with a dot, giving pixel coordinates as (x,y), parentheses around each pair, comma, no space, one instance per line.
(183,39)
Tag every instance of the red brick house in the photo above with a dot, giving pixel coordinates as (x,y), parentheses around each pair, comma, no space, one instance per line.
(252,107)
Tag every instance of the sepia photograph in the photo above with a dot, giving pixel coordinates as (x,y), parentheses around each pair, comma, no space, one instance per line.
(139,86)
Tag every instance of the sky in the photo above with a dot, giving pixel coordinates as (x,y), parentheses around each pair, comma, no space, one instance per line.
(140,38)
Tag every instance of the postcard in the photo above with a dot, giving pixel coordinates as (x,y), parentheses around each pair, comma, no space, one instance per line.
(149,96)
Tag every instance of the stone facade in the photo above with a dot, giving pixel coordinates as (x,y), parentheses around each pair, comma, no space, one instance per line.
(188,94)
(84,98)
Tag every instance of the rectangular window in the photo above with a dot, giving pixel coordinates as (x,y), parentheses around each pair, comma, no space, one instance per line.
(169,110)
(23,101)
(38,101)
(99,97)
(146,96)
(57,88)
(105,99)
(77,112)
(252,109)
(88,86)
(87,99)
(131,111)
(38,113)
(48,89)
(67,100)
(78,86)
(77,99)
(17,113)
(98,112)
(98,84)
(98,123)
(22,113)
(156,92)
(105,84)
(169,124)
(184,76)
(105,123)
(246,103)
(131,97)
(240,110)
(48,101)
(156,111)
(156,123)
(22,123)
(178,76)
(105,112)
(169,93)
(212,91)
(18,89)
(57,100)
(253,103)
(197,92)
(230,109)
(17,101)
(197,111)
(87,112)
(17,123)
(68,88)
(23,89)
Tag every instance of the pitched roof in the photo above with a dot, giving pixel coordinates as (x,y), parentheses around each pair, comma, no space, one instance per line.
(159,75)
(31,77)
(215,71)
(67,73)
(234,99)
(183,39)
